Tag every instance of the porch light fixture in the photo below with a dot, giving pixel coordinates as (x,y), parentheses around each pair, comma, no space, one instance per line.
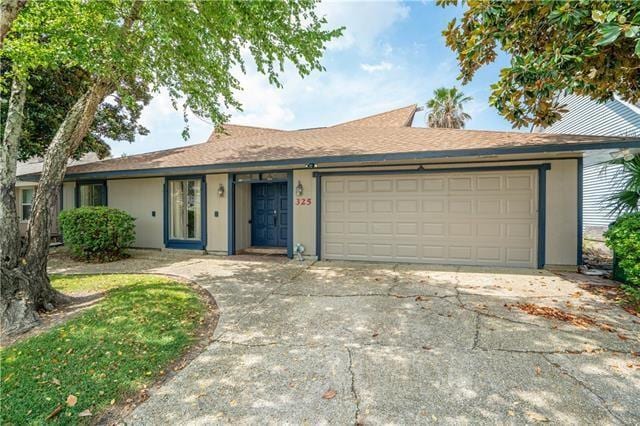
(299,189)
(221,191)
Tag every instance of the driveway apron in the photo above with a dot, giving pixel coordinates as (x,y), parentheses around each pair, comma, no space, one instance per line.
(358,343)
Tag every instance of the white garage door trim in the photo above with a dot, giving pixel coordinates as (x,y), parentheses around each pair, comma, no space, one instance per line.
(539,203)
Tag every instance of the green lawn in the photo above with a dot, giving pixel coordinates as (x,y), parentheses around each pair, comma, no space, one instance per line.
(103,355)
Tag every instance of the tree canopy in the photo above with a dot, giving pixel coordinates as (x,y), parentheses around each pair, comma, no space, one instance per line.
(585,47)
(49,97)
(190,48)
(446,108)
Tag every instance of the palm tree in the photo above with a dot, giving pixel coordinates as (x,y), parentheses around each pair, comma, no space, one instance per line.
(446,108)
(626,198)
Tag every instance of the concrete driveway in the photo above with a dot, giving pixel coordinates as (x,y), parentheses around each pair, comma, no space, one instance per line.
(393,344)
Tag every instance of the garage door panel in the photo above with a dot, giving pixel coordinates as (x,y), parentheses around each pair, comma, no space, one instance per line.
(381,185)
(433,205)
(489,183)
(381,206)
(460,183)
(406,206)
(407,185)
(463,218)
(433,184)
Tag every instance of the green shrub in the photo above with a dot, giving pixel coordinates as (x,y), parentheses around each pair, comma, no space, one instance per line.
(99,234)
(623,237)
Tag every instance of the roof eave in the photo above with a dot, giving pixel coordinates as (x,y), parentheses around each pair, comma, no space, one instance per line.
(400,156)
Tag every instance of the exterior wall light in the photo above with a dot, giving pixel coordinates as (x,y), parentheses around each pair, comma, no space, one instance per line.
(299,189)
(221,191)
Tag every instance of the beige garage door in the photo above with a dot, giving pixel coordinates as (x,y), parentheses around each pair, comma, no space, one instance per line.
(479,218)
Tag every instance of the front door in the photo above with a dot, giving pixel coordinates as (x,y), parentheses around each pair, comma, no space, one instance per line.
(269,215)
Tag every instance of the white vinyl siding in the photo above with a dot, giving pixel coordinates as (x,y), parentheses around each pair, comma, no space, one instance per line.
(483,218)
(587,117)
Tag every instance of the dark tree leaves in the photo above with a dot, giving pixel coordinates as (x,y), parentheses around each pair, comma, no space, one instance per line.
(51,94)
(589,48)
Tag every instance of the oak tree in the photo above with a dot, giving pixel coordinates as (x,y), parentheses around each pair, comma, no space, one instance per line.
(189,48)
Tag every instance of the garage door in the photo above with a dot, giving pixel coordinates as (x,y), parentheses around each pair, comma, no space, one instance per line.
(466,218)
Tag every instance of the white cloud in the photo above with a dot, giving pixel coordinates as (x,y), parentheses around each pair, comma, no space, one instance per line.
(382,66)
(364,21)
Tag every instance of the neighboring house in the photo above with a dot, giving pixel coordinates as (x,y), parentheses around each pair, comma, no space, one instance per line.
(588,117)
(25,190)
(371,189)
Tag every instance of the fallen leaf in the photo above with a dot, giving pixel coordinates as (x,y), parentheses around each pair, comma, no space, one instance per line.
(233,403)
(85,413)
(622,337)
(426,348)
(538,371)
(375,335)
(557,314)
(329,394)
(72,400)
(113,401)
(55,382)
(511,413)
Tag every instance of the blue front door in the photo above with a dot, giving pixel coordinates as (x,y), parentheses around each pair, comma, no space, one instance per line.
(269,215)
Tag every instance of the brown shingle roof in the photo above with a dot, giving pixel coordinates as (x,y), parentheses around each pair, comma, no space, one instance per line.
(336,141)
(401,117)
(239,131)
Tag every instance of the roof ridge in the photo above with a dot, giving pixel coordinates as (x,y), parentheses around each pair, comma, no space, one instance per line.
(407,122)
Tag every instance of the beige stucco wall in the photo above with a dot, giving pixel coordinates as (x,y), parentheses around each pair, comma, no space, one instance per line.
(562,213)
(140,197)
(304,214)
(217,226)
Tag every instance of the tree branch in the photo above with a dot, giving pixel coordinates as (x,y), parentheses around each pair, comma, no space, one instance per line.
(9,10)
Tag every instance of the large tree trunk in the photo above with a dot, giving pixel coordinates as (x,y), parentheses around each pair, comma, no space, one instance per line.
(9,232)
(16,309)
(27,285)
(8,13)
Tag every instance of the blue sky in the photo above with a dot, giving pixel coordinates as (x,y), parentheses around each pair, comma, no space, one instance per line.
(392,55)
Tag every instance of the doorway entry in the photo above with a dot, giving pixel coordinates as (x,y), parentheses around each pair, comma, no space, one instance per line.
(269,214)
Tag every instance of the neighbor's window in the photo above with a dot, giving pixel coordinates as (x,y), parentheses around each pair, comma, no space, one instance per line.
(26,199)
(92,194)
(184,209)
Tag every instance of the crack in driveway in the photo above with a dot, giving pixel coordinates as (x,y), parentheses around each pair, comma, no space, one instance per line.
(584,386)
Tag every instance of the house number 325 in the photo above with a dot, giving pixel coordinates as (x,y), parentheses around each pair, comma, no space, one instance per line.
(303,201)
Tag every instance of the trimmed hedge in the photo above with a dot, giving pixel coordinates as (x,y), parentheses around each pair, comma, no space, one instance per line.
(98,234)
(623,237)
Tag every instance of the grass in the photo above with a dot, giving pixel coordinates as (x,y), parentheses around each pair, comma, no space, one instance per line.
(103,356)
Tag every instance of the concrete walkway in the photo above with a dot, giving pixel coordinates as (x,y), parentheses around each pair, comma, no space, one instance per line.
(397,344)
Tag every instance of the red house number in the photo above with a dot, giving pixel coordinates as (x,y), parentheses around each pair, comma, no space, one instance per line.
(303,201)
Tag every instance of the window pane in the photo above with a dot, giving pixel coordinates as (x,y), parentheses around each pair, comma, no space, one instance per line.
(92,194)
(26,211)
(274,176)
(184,210)
(247,177)
(27,196)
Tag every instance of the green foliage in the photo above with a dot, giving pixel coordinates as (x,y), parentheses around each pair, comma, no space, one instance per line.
(586,47)
(107,353)
(97,233)
(50,95)
(191,48)
(626,199)
(446,108)
(623,237)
